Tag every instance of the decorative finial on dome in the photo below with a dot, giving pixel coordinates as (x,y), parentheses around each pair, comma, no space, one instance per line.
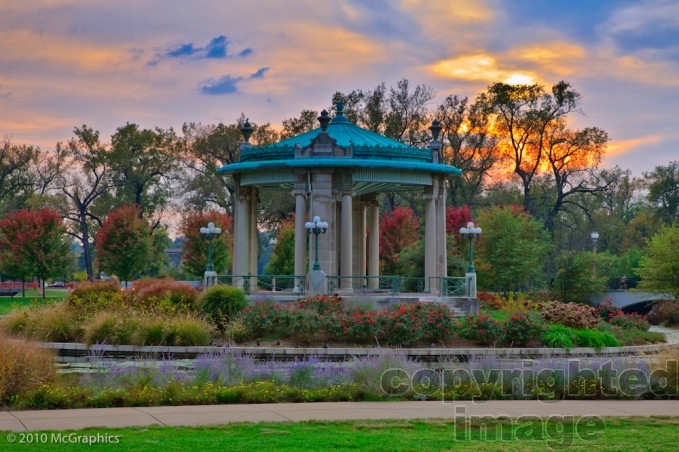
(435,129)
(340,108)
(247,130)
(324,119)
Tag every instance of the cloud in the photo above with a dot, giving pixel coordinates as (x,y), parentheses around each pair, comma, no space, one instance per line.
(228,84)
(217,48)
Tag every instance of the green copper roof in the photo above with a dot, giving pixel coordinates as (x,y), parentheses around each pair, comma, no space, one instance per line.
(339,163)
(346,134)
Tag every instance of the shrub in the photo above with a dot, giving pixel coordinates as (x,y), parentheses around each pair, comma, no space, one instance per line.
(165,294)
(222,303)
(521,328)
(558,336)
(595,339)
(482,328)
(23,367)
(15,322)
(632,336)
(56,323)
(90,298)
(573,315)
(322,304)
(665,312)
(265,318)
(606,310)
(238,331)
(111,328)
(188,331)
(151,331)
(491,301)
(632,321)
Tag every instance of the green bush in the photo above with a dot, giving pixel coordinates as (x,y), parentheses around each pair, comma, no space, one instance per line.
(111,328)
(221,304)
(558,336)
(87,299)
(151,331)
(165,294)
(595,339)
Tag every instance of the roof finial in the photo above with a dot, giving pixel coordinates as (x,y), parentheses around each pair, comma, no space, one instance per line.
(435,129)
(247,130)
(340,108)
(324,119)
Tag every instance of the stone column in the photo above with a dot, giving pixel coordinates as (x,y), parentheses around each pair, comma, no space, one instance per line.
(254,239)
(347,242)
(241,236)
(373,244)
(300,237)
(430,239)
(442,233)
(359,243)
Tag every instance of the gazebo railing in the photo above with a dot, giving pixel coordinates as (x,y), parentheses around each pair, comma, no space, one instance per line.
(266,283)
(443,286)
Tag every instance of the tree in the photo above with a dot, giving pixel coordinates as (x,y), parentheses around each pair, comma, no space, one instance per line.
(511,250)
(195,249)
(469,144)
(398,230)
(83,182)
(581,274)
(659,269)
(15,181)
(663,191)
(143,165)
(522,116)
(296,126)
(123,244)
(32,243)
(282,261)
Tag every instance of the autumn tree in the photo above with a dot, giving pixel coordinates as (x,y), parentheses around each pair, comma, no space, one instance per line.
(195,252)
(32,243)
(399,230)
(123,244)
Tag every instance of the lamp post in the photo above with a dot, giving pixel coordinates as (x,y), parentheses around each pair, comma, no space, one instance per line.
(210,232)
(595,237)
(273,241)
(316,227)
(471,232)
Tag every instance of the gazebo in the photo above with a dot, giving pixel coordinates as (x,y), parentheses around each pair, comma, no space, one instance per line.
(336,172)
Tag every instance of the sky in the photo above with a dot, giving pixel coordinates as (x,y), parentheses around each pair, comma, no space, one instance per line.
(162,63)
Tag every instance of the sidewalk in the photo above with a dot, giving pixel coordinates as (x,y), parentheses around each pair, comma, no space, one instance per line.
(326,411)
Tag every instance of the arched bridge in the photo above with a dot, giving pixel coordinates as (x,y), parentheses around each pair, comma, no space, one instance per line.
(628,300)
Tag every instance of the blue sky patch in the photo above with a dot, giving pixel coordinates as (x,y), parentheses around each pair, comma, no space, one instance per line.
(224,85)
(260,73)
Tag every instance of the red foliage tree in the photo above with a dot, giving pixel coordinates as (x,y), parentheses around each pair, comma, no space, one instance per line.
(398,230)
(456,218)
(32,243)
(194,256)
(123,244)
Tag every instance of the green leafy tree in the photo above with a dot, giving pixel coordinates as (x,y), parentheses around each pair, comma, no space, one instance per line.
(123,244)
(581,274)
(282,261)
(663,191)
(659,269)
(158,258)
(15,181)
(32,243)
(511,250)
(195,254)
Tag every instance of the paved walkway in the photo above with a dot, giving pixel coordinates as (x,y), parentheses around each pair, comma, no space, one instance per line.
(326,411)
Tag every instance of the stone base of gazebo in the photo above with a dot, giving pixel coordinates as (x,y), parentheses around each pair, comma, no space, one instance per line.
(462,306)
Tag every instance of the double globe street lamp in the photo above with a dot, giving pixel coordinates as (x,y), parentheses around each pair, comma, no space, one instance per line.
(210,232)
(471,232)
(316,227)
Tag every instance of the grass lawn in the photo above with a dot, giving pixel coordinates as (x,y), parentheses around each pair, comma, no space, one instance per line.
(32,296)
(643,433)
